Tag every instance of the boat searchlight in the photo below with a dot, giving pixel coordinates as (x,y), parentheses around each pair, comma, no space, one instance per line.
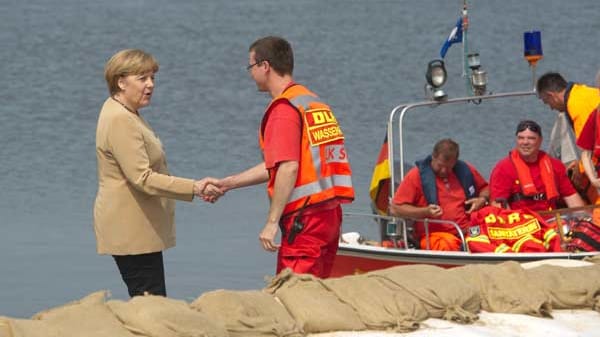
(436,77)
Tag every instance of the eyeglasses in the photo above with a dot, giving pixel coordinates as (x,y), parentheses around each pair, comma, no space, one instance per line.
(531,125)
(253,64)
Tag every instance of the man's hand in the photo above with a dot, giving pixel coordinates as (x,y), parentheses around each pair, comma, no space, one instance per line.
(267,236)
(574,174)
(208,189)
(475,204)
(434,211)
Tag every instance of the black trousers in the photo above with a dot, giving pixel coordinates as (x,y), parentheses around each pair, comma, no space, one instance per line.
(143,273)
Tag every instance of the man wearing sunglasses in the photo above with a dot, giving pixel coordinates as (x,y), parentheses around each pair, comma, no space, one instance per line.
(305,165)
(530,178)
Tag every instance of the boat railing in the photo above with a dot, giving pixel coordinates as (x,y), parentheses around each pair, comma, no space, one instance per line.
(403,109)
(426,223)
(396,229)
(399,235)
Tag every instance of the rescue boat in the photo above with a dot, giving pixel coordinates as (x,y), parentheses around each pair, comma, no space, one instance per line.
(391,246)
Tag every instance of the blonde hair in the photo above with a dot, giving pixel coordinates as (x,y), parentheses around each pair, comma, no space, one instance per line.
(127,62)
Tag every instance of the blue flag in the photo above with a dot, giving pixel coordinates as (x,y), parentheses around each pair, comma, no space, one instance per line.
(454,37)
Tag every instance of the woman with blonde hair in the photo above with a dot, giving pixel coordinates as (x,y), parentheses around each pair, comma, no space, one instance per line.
(134,207)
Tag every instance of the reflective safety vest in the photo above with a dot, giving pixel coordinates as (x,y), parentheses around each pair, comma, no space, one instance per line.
(502,230)
(461,170)
(580,101)
(324,172)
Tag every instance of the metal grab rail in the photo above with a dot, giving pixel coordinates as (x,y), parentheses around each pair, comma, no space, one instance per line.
(426,222)
(404,235)
(406,107)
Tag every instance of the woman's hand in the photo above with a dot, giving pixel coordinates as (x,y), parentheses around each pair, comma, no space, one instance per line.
(208,189)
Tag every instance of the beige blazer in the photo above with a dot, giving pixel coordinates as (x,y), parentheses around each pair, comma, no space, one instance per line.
(134,208)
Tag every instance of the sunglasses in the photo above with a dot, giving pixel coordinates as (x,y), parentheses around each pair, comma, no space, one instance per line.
(529,125)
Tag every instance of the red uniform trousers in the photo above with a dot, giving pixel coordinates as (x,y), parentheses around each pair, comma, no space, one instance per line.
(315,246)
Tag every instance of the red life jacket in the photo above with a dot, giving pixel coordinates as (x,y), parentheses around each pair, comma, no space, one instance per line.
(324,172)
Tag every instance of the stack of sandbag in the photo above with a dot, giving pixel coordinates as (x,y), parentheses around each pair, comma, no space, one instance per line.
(293,305)
(442,295)
(505,288)
(88,317)
(568,288)
(92,316)
(313,305)
(157,316)
(379,303)
(248,313)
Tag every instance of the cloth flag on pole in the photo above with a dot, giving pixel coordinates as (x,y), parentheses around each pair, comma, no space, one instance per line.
(454,37)
(379,190)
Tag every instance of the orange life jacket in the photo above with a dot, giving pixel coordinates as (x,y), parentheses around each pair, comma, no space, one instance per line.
(526,182)
(324,172)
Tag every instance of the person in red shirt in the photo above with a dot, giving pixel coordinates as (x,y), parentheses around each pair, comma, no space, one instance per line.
(305,165)
(440,187)
(530,178)
(589,143)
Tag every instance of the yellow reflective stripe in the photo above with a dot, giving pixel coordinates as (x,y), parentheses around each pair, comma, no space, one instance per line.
(479,238)
(548,236)
(503,248)
(518,244)
(320,185)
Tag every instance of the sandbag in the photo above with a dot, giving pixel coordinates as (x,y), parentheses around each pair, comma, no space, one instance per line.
(11,327)
(88,317)
(593,259)
(443,295)
(568,287)
(157,316)
(312,304)
(248,313)
(379,305)
(505,288)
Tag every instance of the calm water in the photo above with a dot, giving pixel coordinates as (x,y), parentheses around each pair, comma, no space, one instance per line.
(363,57)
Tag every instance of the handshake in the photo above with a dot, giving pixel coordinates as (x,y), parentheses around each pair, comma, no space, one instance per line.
(209,189)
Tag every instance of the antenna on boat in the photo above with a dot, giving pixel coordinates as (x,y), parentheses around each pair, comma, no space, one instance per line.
(465,28)
(532,51)
(475,80)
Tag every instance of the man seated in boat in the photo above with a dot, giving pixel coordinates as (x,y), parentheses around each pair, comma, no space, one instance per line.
(440,187)
(529,178)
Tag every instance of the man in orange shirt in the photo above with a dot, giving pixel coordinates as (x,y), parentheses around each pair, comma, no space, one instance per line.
(305,165)
(440,187)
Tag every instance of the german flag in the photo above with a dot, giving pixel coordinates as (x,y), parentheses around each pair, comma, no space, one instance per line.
(380,182)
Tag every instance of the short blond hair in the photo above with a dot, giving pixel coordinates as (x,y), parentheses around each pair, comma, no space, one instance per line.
(127,62)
